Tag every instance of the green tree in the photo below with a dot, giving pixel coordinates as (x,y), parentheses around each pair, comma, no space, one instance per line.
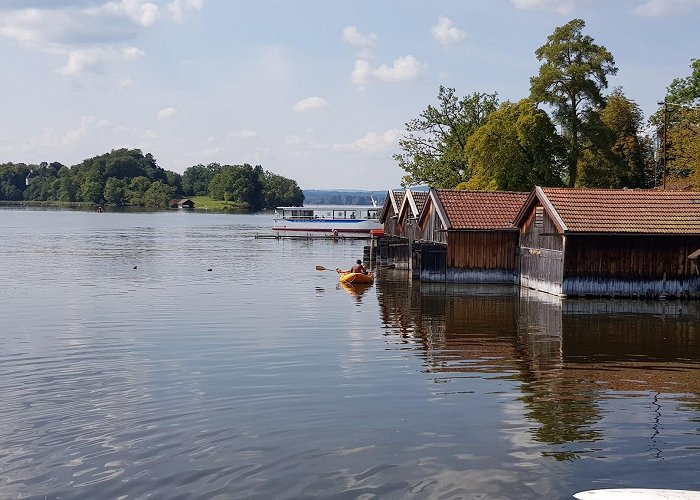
(683,119)
(116,192)
(196,179)
(42,188)
(158,194)
(240,184)
(571,79)
(281,192)
(67,190)
(91,191)
(686,90)
(12,180)
(617,155)
(137,190)
(433,146)
(516,149)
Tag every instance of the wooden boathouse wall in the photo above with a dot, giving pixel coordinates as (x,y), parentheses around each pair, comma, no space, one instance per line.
(392,251)
(469,257)
(391,221)
(482,257)
(541,253)
(631,265)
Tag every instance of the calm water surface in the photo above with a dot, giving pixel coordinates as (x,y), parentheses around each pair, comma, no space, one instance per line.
(128,369)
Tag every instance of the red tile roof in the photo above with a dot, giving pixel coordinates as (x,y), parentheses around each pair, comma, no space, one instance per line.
(627,210)
(480,209)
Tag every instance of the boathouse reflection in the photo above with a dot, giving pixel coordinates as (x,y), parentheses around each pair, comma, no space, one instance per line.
(566,354)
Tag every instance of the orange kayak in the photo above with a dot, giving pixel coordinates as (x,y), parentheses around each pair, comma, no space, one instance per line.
(356,278)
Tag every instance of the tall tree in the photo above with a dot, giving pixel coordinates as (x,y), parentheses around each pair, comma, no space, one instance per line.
(433,146)
(280,191)
(683,120)
(686,90)
(616,155)
(516,149)
(196,179)
(571,79)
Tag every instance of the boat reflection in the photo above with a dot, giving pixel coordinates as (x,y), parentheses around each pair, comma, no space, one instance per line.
(567,356)
(356,289)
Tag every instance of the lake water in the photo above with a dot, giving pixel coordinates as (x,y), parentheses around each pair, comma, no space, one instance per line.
(174,355)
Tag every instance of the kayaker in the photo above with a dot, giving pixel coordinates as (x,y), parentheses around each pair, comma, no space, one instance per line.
(357,268)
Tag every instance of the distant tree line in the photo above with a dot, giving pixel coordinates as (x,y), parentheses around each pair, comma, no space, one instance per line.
(128,177)
(335,197)
(567,132)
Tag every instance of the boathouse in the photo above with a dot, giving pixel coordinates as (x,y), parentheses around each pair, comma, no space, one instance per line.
(469,237)
(185,204)
(390,212)
(400,226)
(610,242)
(409,211)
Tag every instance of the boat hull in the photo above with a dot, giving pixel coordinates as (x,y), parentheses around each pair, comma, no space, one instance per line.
(340,227)
(357,278)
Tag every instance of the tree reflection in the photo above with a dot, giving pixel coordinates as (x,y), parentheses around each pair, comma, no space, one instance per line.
(567,355)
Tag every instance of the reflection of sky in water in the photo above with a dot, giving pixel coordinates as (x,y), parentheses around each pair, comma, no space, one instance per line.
(265,378)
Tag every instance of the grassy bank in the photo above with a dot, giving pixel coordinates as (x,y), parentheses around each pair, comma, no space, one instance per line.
(206,203)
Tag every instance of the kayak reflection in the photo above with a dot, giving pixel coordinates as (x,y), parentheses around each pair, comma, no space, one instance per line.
(356,289)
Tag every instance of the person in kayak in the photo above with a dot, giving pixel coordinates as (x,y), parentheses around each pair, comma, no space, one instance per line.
(357,268)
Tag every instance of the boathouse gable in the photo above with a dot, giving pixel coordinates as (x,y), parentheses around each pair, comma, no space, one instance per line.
(541,245)
(409,212)
(390,211)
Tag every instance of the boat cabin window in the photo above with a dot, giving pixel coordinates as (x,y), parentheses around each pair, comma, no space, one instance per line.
(300,214)
(372,214)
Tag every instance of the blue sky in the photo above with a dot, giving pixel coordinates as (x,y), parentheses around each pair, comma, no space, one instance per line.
(318,91)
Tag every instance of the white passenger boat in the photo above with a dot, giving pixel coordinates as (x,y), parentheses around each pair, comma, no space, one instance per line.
(331,220)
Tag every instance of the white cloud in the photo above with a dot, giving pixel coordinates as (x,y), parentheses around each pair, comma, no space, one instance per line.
(402,69)
(93,58)
(76,134)
(243,134)
(352,36)
(295,140)
(126,82)
(362,73)
(372,142)
(562,7)
(310,104)
(86,34)
(177,8)
(658,8)
(209,152)
(446,33)
(142,12)
(167,113)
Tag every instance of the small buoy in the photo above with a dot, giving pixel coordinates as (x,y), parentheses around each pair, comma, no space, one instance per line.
(135,267)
